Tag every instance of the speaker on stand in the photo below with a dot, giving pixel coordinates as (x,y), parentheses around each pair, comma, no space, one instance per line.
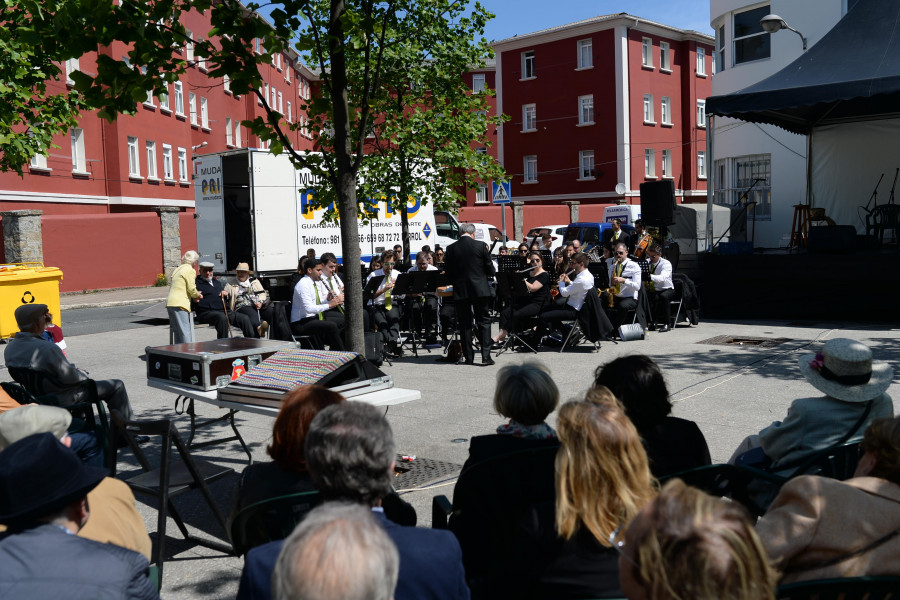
(658,204)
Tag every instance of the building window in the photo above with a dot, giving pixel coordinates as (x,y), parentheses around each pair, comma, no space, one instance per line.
(529,117)
(701,164)
(226,84)
(257,45)
(38,161)
(182,165)
(167,163)
(192,104)
(237,134)
(649,163)
(79,163)
(530,175)
(751,42)
(274,102)
(667,164)
(586,110)
(665,57)
(586,164)
(189,46)
(151,159)
(478,82)
(648,108)
(719,62)
(280,103)
(701,61)
(481,195)
(666,110)
(164,100)
(229,136)
(134,161)
(287,72)
(647,52)
(735,177)
(178,89)
(585,54)
(528,71)
(204,113)
(201,62)
(701,113)
(71,67)
(289,115)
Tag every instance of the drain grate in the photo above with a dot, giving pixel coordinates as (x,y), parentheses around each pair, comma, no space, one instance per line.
(744,341)
(422,471)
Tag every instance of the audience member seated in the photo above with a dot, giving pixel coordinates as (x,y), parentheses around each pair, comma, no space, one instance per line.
(350,454)
(30,351)
(7,402)
(43,502)
(114,517)
(821,528)
(672,444)
(385,306)
(602,481)
(210,307)
(855,395)
(247,296)
(339,552)
(687,544)
(309,305)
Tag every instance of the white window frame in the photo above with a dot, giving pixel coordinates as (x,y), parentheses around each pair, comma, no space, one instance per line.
(229,135)
(758,31)
(648,110)
(182,165)
(226,84)
(150,147)
(164,100)
(290,116)
(257,45)
(201,63)
(528,65)
(667,164)
(192,104)
(719,52)
(529,172)
(178,90)
(701,113)
(189,46)
(586,165)
(79,160)
(481,194)
(585,57)
(204,113)
(273,103)
(647,52)
(529,117)
(649,163)
(134,159)
(280,103)
(665,110)
(586,109)
(701,164)
(478,83)
(701,61)
(39,162)
(168,168)
(237,134)
(665,57)
(287,70)
(71,65)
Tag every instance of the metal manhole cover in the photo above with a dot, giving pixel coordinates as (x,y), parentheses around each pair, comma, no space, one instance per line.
(744,341)
(421,471)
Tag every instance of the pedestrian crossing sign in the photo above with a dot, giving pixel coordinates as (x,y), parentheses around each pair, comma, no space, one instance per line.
(502,193)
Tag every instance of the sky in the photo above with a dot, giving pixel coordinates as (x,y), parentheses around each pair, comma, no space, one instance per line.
(526,16)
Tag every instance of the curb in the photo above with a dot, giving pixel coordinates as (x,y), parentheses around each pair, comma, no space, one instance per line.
(111,303)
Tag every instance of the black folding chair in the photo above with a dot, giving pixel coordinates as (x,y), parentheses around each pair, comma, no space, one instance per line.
(270,520)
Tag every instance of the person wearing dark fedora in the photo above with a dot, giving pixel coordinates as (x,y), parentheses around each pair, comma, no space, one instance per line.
(29,350)
(43,502)
(855,389)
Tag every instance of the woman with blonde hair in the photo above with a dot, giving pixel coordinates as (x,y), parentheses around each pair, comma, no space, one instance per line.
(602,481)
(182,290)
(688,545)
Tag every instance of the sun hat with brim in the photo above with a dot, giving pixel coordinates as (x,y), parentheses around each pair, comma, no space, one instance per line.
(243,267)
(39,477)
(845,370)
(18,423)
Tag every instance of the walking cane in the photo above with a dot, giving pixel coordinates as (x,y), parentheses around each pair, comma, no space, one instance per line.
(227,318)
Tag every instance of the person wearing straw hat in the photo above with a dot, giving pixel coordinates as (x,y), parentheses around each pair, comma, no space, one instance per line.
(855,389)
(211,306)
(43,502)
(248,297)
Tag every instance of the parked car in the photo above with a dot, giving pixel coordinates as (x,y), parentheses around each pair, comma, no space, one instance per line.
(486,232)
(590,233)
(557,231)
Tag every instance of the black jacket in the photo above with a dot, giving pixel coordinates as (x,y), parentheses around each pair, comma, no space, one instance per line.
(469,267)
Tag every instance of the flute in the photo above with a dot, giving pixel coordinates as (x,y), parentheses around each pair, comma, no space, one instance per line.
(527,270)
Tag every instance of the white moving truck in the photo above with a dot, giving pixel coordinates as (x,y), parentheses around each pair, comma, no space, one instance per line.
(255,207)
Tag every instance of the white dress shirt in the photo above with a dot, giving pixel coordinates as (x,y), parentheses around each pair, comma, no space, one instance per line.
(305,304)
(577,290)
(632,274)
(661,275)
(379,300)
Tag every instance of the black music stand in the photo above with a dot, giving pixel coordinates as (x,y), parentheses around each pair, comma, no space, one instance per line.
(403,287)
(371,287)
(511,263)
(427,282)
(600,271)
(511,285)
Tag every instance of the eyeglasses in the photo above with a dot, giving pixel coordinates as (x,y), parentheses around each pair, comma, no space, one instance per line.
(536,261)
(617,541)
(622,253)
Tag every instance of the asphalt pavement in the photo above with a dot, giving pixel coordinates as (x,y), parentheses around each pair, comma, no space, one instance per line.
(730,390)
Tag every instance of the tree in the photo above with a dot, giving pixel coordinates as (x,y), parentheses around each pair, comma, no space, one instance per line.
(351,43)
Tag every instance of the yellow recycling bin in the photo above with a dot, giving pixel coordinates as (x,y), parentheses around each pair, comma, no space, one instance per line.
(27,283)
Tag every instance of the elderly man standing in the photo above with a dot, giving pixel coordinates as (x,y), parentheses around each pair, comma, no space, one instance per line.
(30,351)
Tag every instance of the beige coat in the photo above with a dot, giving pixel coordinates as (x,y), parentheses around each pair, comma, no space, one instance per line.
(815,519)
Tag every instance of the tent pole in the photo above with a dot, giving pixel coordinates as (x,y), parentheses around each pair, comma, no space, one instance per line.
(710,180)
(809,193)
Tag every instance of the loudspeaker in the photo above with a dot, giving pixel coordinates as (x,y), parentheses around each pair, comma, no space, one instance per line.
(832,239)
(632,331)
(658,203)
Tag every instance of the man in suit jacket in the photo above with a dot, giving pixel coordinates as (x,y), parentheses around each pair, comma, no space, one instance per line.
(350,455)
(615,235)
(43,501)
(468,265)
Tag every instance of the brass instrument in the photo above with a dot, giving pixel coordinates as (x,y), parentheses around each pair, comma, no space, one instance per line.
(611,294)
(594,254)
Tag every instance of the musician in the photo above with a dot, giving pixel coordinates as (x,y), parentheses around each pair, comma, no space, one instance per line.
(438,255)
(573,286)
(424,307)
(385,306)
(625,279)
(332,286)
(576,245)
(503,251)
(469,268)
(642,240)
(661,288)
(538,285)
(523,249)
(309,304)
(615,235)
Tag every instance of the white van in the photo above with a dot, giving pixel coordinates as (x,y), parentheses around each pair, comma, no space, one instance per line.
(626,213)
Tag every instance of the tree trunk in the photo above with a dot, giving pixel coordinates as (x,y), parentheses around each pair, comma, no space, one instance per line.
(404,199)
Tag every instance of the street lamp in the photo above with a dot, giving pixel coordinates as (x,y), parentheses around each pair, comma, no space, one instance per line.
(772,23)
(200,145)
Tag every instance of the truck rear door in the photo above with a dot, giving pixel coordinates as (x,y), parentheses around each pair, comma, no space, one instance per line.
(275,205)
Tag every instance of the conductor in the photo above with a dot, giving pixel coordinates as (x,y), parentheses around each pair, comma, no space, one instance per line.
(468,266)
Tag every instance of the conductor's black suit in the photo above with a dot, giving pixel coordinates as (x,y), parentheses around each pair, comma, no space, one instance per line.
(469,267)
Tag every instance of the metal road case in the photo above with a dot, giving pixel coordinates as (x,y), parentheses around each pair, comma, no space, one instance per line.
(209,365)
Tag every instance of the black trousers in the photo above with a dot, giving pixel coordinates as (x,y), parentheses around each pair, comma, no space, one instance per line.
(217,319)
(472,313)
(553,317)
(112,391)
(424,314)
(512,317)
(388,321)
(327,329)
(256,316)
(659,304)
(621,306)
